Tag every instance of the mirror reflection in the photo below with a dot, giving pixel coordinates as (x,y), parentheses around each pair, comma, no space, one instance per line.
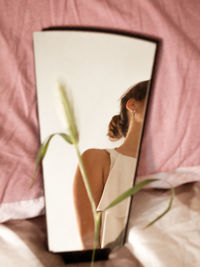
(110,171)
(107,76)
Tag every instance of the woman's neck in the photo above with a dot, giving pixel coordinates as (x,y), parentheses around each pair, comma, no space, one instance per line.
(132,139)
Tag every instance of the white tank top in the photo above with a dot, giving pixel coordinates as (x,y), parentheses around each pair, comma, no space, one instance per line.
(120,179)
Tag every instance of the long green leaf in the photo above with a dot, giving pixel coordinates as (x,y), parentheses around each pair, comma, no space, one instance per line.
(167,209)
(43,149)
(137,188)
(129,192)
(66,137)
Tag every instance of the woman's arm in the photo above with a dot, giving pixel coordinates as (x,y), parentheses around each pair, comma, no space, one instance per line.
(94,161)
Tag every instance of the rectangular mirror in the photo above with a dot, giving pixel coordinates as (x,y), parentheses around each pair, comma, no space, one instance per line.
(106,73)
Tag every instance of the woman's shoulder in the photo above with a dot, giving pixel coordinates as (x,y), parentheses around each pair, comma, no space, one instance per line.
(95,154)
(97,161)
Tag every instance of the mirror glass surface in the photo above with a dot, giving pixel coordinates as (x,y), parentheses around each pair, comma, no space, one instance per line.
(97,68)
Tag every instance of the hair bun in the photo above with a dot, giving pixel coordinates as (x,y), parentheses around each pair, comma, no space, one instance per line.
(114,128)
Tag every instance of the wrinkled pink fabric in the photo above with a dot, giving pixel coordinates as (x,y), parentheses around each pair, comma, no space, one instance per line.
(172,131)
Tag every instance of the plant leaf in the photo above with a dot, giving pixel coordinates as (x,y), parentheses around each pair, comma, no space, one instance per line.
(167,209)
(66,137)
(43,149)
(129,192)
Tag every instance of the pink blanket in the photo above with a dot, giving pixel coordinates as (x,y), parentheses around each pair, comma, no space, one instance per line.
(172,130)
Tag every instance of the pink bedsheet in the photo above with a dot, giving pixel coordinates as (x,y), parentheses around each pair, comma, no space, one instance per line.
(172,131)
(172,241)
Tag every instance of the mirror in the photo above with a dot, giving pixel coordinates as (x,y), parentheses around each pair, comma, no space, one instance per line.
(101,69)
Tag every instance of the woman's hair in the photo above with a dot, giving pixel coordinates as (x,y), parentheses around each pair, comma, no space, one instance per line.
(118,125)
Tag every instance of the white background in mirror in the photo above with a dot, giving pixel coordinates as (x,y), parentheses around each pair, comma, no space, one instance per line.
(97,69)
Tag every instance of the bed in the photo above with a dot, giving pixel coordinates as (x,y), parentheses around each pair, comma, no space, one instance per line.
(170,148)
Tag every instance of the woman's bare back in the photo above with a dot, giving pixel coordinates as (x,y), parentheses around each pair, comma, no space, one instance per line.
(97,165)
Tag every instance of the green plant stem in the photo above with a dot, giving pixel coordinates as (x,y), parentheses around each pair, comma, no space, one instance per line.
(86,182)
(96,216)
(96,236)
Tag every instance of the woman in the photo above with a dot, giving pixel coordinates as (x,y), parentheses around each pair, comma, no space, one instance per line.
(108,169)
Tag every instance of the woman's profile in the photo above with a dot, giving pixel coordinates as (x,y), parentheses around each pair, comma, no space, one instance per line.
(111,171)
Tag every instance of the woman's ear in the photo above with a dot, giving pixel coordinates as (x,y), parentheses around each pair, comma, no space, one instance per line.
(131,104)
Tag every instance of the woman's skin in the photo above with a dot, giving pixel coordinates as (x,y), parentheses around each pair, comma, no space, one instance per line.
(97,164)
